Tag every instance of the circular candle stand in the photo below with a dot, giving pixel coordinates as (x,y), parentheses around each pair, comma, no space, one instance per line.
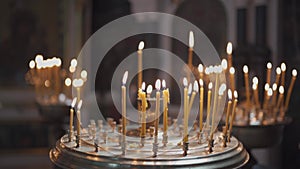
(105,151)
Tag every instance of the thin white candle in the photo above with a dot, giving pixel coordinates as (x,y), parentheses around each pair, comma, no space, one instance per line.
(157,108)
(124,80)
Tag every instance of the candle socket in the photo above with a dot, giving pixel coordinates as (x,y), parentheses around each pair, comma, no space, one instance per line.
(71,133)
(96,146)
(185,148)
(142,141)
(165,139)
(77,141)
(123,145)
(155,147)
(210,145)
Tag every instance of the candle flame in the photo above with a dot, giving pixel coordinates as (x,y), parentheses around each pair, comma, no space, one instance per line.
(73,63)
(229,48)
(278,70)
(283,67)
(274,86)
(79,105)
(224,64)
(163,83)
(201,82)
(255,80)
(83,74)
(267,86)
(39,58)
(31,64)
(229,94)
(294,72)
(196,87)
(200,68)
(157,84)
(235,93)
(141,45)
(254,86)
(68,82)
(191,39)
(207,70)
(149,89)
(269,65)
(74,102)
(47,83)
(58,62)
(245,69)
(222,89)
(270,92)
(218,69)
(210,85)
(232,70)
(77,83)
(143,86)
(281,89)
(185,82)
(125,76)
(190,88)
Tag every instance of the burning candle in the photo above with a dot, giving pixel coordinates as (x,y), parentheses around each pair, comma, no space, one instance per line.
(157,86)
(269,67)
(228,111)
(278,72)
(232,81)
(224,64)
(269,95)
(287,101)
(78,117)
(281,92)
(140,63)
(124,79)
(246,76)
(195,91)
(283,69)
(83,75)
(77,83)
(235,94)
(274,88)
(255,91)
(200,69)
(201,105)
(149,90)
(185,115)
(166,100)
(72,117)
(229,54)
(267,86)
(191,45)
(210,85)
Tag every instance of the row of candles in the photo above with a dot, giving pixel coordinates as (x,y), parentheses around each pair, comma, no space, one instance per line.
(52,83)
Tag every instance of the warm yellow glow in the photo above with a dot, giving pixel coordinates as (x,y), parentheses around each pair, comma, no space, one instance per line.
(201,82)
(141,45)
(224,64)
(77,83)
(143,86)
(294,72)
(196,87)
(235,93)
(283,67)
(278,70)
(163,83)
(232,70)
(255,80)
(47,83)
(281,89)
(124,79)
(200,68)
(157,84)
(245,69)
(73,62)
(68,82)
(267,86)
(274,86)
(229,48)
(83,74)
(149,89)
(229,94)
(31,64)
(210,85)
(254,86)
(269,65)
(191,39)
(270,92)
(72,69)
(185,82)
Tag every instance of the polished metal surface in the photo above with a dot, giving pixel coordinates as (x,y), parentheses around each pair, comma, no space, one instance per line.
(65,155)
